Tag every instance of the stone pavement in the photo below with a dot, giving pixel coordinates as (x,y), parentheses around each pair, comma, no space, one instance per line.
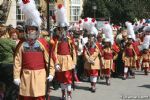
(130,89)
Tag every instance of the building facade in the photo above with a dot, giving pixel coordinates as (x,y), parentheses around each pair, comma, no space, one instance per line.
(10,14)
(73,10)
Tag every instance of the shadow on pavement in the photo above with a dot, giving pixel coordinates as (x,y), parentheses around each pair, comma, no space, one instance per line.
(139,73)
(82,88)
(102,83)
(54,98)
(145,86)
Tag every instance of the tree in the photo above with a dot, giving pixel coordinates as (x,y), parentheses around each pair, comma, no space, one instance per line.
(101,10)
(119,11)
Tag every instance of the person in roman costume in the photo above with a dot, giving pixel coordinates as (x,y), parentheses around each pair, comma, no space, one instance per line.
(65,53)
(31,58)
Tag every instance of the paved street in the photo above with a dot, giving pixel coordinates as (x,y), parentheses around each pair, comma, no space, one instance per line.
(119,90)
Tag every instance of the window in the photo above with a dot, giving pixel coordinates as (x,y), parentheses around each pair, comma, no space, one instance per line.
(75,1)
(19,15)
(75,13)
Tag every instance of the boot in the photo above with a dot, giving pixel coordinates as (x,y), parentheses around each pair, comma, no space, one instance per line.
(93,87)
(69,95)
(55,84)
(132,73)
(107,81)
(102,77)
(63,95)
(125,76)
(145,71)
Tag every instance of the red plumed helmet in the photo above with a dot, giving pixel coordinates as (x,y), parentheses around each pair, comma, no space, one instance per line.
(93,20)
(106,22)
(25,1)
(60,6)
(80,21)
(85,19)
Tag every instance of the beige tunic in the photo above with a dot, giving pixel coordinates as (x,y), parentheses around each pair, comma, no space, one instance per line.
(147,58)
(108,63)
(94,57)
(33,82)
(129,61)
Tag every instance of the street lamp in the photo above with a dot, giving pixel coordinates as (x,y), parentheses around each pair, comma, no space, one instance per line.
(94,8)
(48,13)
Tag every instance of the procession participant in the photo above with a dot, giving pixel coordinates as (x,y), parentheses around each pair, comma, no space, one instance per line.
(146,40)
(129,57)
(129,54)
(145,59)
(31,59)
(92,63)
(108,52)
(65,54)
(108,60)
(25,66)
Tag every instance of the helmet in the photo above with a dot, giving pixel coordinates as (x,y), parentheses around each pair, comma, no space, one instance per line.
(31,23)
(146,29)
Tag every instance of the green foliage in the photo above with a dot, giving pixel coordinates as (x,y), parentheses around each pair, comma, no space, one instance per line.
(88,10)
(118,11)
(52,1)
(6,50)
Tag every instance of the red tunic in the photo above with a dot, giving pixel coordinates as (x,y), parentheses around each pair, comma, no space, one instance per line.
(63,48)
(108,56)
(129,52)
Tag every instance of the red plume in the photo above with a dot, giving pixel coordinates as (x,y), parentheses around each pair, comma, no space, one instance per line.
(25,1)
(54,18)
(93,20)
(106,22)
(60,6)
(80,21)
(85,19)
